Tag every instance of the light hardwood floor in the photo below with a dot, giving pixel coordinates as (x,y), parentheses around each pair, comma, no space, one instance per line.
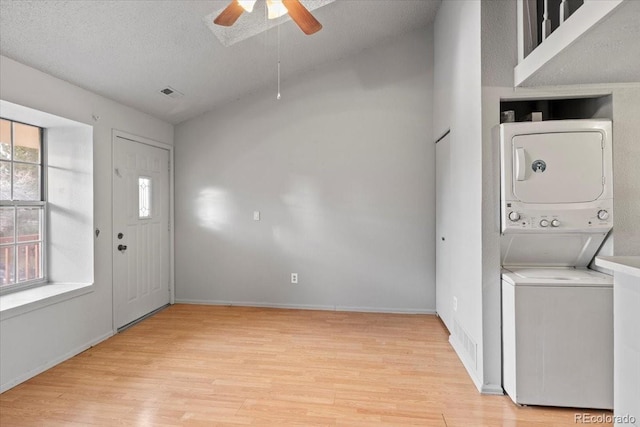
(231,366)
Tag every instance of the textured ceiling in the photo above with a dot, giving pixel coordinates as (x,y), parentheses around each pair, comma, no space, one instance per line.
(128,50)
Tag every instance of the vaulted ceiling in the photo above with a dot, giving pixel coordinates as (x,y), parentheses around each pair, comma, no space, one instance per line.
(128,50)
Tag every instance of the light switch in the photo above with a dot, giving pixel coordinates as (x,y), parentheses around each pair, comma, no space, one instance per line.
(256,215)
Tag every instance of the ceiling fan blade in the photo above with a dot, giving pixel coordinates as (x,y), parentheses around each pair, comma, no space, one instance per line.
(229,15)
(301,16)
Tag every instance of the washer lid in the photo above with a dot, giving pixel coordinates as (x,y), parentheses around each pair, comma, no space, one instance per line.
(555,276)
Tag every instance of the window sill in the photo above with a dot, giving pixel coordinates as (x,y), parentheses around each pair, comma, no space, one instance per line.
(21,302)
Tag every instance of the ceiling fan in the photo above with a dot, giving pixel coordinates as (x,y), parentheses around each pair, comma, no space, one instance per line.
(275,9)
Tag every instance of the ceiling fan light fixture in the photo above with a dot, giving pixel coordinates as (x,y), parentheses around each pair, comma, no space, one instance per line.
(247,4)
(255,23)
(276,9)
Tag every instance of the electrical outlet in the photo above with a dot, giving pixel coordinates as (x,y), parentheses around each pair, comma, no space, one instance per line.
(294,278)
(256,215)
(455,304)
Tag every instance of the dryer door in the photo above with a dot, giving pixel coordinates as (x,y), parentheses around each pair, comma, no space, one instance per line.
(558,167)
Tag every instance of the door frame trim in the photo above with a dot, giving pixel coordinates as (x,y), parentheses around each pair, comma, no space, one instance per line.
(147,141)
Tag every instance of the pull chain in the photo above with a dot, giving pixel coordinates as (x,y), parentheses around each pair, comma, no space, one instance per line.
(278,95)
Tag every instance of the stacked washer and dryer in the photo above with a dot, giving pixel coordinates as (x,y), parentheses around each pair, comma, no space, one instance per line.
(556,211)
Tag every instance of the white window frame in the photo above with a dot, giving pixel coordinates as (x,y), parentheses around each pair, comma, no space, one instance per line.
(16,204)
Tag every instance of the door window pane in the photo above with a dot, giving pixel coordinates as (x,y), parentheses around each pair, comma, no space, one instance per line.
(144,197)
(5,139)
(7,274)
(26,143)
(29,224)
(29,262)
(26,182)
(7,225)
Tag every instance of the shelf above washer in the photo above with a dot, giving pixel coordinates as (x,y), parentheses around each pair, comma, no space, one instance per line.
(599,43)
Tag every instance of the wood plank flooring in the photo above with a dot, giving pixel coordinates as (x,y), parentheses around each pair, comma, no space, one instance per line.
(235,366)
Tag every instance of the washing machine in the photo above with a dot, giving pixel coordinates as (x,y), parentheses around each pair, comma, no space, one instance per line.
(557,328)
(556,211)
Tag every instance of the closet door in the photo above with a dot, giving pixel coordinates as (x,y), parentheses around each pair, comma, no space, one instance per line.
(444,203)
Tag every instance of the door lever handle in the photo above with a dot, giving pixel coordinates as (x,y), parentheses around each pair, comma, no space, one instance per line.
(520,164)
(122,248)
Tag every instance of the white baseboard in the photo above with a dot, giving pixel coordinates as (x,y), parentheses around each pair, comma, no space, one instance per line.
(387,310)
(40,369)
(307,306)
(492,389)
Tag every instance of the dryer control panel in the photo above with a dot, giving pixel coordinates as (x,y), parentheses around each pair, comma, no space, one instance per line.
(519,217)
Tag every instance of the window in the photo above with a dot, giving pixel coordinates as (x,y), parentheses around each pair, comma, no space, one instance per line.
(47,230)
(144,197)
(22,205)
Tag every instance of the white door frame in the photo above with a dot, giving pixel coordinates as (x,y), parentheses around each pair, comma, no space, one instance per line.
(147,141)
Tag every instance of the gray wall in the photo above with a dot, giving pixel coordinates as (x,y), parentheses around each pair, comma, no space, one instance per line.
(342,172)
(626,169)
(37,340)
(499,57)
(457,104)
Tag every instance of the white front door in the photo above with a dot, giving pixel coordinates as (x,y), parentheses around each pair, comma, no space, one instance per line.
(141,230)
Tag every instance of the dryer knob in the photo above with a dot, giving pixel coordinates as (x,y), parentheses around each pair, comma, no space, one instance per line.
(514,216)
(544,223)
(555,223)
(602,214)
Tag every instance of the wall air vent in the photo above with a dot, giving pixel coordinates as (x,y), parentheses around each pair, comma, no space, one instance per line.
(171,92)
(468,345)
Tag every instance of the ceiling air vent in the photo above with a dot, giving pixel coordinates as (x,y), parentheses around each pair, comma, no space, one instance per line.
(171,92)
